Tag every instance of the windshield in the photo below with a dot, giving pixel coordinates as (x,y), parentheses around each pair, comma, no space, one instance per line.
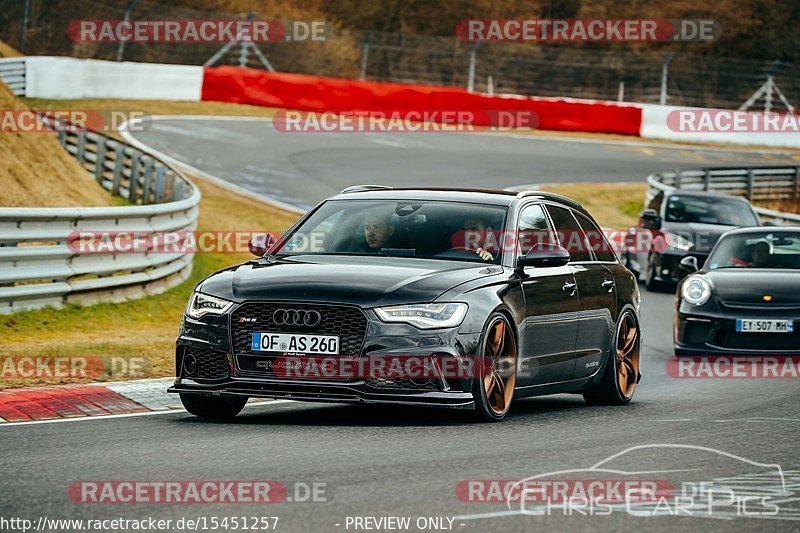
(709,210)
(423,229)
(767,250)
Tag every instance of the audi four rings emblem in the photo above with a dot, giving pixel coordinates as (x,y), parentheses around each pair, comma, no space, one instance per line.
(291,317)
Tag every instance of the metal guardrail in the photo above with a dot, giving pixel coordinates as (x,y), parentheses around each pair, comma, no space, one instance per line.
(39,267)
(754,183)
(12,72)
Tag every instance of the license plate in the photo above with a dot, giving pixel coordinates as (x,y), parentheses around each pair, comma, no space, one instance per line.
(764,326)
(295,343)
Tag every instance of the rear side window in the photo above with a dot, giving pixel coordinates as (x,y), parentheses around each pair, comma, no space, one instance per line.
(570,234)
(597,240)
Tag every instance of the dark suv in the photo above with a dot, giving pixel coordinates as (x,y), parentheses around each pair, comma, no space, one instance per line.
(436,297)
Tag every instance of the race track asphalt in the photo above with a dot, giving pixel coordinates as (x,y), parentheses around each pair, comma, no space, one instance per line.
(303,168)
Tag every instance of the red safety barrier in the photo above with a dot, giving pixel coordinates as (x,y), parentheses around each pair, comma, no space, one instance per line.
(321,94)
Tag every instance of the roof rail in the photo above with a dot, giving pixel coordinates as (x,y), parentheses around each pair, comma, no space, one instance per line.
(361,188)
(550,196)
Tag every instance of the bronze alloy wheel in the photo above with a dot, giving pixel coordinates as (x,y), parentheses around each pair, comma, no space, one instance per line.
(500,360)
(627,355)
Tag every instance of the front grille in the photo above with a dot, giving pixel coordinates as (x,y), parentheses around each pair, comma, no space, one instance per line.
(348,323)
(209,364)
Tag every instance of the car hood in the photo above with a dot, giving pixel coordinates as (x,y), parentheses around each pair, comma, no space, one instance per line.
(363,281)
(744,286)
(704,236)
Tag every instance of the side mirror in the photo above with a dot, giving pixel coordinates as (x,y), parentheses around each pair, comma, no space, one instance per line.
(260,243)
(689,263)
(544,256)
(650,220)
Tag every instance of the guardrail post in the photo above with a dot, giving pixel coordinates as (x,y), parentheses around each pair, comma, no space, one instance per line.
(161,173)
(80,151)
(177,193)
(100,161)
(750,180)
(118,165)
(133,182)
(147,187)
(706,179)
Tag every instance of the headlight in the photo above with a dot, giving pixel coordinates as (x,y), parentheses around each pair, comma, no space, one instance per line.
(203,304)
(696,290)
(678,242)
(425,316)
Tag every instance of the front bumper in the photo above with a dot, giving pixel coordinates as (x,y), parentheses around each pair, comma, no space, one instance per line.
(354,392)
(220,366)
(700,334)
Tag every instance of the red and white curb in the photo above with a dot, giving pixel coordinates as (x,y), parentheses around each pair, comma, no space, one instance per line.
(90,400)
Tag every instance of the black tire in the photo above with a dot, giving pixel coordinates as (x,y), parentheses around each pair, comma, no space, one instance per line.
(609,390)
(213,406)
(484,411)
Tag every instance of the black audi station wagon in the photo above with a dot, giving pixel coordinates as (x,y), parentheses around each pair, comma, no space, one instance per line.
(433,297)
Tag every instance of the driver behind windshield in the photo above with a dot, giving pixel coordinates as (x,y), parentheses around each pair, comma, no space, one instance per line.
(761,254)
(477,231)
(378,229)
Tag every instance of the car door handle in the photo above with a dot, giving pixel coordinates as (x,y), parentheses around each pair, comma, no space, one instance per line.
(608,284)
(570,288)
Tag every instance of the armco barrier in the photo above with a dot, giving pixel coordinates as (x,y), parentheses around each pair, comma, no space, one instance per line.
(754,183)
(321,94)
(37,265)
(12,72)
